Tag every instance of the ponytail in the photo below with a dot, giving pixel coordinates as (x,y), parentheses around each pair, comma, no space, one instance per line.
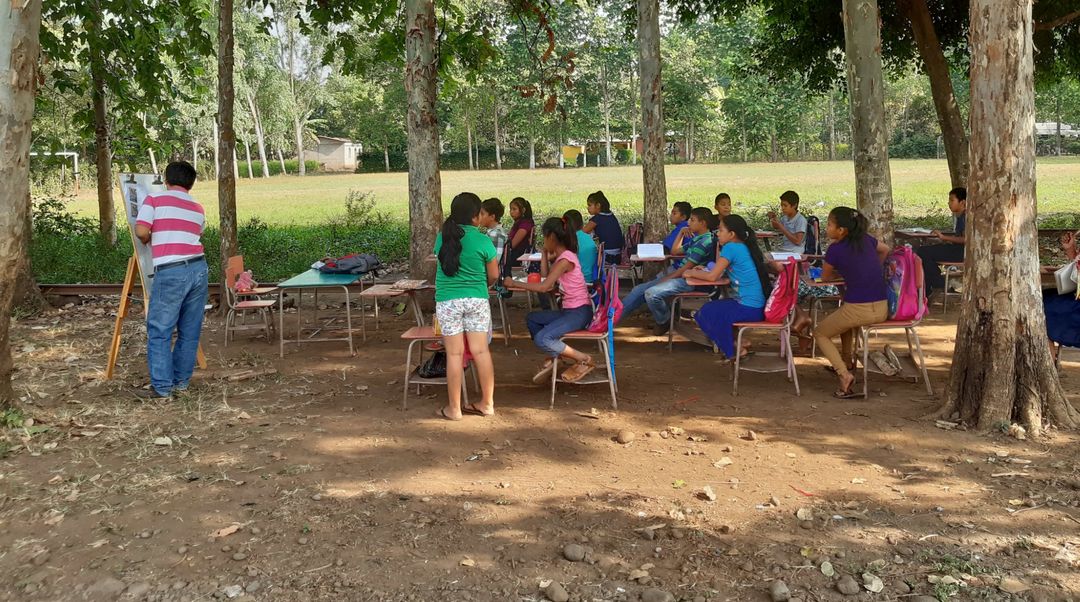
(747,236)
(463,210)
(854,222)
(524,206)
(557,227)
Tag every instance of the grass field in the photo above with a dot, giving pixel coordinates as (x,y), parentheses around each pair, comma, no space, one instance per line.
(919,189)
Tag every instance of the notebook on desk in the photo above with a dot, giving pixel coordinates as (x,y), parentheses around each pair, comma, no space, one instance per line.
(651,251)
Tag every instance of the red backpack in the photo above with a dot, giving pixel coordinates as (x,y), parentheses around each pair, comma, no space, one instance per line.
(785,293)
(609,307)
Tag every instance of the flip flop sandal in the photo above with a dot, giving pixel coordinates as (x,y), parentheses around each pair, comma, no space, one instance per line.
(842,394)
(471,410)
(544,372)
(727,361)
(829,368)
(578,372)
(442,412)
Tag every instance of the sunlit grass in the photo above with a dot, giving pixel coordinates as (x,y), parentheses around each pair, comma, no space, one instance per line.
(920,188)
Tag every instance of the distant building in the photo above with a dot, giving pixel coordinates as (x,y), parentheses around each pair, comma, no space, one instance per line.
(594,148)
(1051,129)
(337,154)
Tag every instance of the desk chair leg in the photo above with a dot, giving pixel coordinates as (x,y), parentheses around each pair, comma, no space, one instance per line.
(922,363)
(735,365)
(671,324)
(266,325)
(408,371)
(610,365)
(814,308)
(554,381)
(945,293)
(791,366)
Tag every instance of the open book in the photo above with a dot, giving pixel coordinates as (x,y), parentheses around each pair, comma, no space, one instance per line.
(651,250)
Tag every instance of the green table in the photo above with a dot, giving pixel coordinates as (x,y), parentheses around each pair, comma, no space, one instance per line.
(315,280)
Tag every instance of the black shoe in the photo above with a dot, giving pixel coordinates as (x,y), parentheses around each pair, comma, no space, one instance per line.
(661,329)
(150,394)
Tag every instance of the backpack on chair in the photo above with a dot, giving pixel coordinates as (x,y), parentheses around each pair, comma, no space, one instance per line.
(811,244)
(784,293)
(902,268)
(609,308)
(634,235)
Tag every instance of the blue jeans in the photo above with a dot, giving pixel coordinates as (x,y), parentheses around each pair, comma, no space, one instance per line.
(177,303)
(657,296)
(636,298)
(547,326)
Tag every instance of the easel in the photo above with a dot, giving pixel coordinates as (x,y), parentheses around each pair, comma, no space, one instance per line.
(134,270)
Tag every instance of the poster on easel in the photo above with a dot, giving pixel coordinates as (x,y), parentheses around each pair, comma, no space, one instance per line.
(134,188)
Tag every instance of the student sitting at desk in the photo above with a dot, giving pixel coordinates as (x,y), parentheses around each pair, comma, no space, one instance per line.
(680,215)
(952,247)
(491,212)
(1063,311)
(858,258)
(722,205)
(741,259)
(547,326)
(605,226)
(587,251)
(790,224)
(521,233)
(700,247)
(467,266)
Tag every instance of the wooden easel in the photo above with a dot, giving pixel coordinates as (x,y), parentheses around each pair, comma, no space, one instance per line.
(134,270)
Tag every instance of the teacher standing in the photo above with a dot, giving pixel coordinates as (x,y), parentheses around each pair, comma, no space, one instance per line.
(172,223)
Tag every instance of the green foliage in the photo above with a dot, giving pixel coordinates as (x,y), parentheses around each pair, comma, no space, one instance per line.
(12,418)
(915,147)
(52,218)
(291,166)
(944,591)
(952,564)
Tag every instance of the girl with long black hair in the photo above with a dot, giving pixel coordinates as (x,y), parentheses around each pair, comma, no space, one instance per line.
(467,267)
(741,261)
(858,258)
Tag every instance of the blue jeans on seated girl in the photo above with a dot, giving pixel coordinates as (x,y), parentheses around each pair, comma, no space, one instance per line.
(177,303)
(717,318)
(547,326)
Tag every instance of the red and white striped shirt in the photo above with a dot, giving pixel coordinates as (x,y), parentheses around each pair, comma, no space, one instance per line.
(176,222)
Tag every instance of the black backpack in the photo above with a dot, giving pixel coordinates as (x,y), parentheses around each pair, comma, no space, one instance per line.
(811,244)
(352,264)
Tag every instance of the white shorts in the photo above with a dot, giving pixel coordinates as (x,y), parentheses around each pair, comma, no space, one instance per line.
(463,315)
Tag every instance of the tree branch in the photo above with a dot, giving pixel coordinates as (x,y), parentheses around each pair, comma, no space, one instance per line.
(1058,21)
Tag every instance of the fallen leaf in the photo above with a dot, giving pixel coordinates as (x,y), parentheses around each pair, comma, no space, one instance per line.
(858,481)
(697,438)
(226,531)
(243,416)
(678,484)
(790,455)
(55,520)
(467,562)
(674,430)
(873,583)
(638,574)
(1013,586)
(725,461)
(98,543)
(706,493)
(827,569)
(162,441)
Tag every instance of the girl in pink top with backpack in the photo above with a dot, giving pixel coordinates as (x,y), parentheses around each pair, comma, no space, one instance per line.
(559,266)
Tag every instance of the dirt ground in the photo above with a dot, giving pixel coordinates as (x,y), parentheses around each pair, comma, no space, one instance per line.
(313,484)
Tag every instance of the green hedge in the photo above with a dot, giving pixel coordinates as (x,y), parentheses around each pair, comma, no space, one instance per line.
(375,162)
(291,166)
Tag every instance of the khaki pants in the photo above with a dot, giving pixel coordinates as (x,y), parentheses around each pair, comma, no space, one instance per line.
(843,322)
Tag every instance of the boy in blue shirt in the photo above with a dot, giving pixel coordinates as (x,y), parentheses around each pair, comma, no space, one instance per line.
(700,249)
(952,247)
(680,214)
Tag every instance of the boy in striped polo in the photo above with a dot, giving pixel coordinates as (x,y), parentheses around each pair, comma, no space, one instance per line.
(172,223)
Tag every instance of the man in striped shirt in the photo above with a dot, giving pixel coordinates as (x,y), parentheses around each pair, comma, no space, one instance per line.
(172,223)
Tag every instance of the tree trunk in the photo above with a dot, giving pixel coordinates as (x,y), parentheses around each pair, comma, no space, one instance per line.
(532,152)
(227,144)
(950,120)
(802,136)
(562,157)
(498,151)
(652,126)
(386,154)
(1002,368)
(281,159)
(217,152)
(772,145)
(195,153)
(106,209)
(425,182)
(1057,117)
(468,138)
(19,49)
(259,138)
(298,129)
(153,160)
(832,128)
(606,111)
(869,145)
(742,135)
(235,162)
(247,155)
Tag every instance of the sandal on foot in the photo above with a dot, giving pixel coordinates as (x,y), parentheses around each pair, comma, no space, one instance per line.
(544,372)
(471,409)
(578,371)
(442,412)
(842,394)
(727,361)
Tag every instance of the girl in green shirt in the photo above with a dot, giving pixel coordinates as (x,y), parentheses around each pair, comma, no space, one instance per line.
(467,267)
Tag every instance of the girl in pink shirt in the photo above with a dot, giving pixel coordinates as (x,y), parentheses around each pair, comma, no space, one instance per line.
(559,266)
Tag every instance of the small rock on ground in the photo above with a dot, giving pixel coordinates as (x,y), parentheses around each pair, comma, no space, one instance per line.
(105,589)
(848,586)
(252,587)
(625,437)
(656,595)
(556,592)
(138,590)
(779,591)
(574,553)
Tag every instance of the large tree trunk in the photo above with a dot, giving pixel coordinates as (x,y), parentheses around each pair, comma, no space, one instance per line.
(652,127)
(195,153)
(106,210)
(425,182)
(832,127)
(19,49)
(227,144)
(468,138)
(1002,368)
(298,129)
(498,150)
(386,154)
(606,110)
(937,69)
(869,145)
(256,117)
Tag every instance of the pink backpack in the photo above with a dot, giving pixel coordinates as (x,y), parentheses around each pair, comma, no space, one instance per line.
(785,293)
(609,307)
(903,278)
